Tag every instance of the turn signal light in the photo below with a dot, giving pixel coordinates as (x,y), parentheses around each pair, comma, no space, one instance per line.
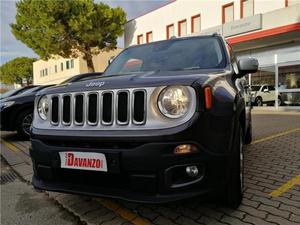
(185,149)
(208,97)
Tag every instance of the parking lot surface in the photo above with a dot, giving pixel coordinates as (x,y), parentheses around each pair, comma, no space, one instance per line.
(22,205)
(272,184)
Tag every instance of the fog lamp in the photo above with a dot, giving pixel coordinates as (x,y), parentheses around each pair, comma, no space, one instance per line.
(192,171)
(185,149)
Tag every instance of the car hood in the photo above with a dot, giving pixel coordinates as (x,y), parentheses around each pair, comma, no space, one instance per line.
(147,79)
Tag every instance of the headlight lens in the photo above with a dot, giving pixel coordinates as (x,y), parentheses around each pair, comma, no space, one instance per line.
(174,101)
(43,108)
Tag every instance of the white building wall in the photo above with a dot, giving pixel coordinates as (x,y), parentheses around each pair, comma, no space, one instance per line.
(210,10)
(80,66)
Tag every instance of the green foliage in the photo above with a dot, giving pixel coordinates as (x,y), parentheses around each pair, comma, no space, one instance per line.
(65,27)
(16,70)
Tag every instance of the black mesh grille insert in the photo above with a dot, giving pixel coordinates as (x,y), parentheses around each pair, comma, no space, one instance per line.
(92,110)
(139,106)
(54,116)
(79,109)
(123,107)
(67,109)
(107,108)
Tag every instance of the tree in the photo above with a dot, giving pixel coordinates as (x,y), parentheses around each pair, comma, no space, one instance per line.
(68,28)
(17,70)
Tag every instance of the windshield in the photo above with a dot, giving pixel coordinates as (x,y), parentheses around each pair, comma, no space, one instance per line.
(177,54)
(255,88)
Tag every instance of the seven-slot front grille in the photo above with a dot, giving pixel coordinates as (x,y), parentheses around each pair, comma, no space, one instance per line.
(103,108)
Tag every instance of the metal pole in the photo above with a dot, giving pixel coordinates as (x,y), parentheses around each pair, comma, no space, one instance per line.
(276,81)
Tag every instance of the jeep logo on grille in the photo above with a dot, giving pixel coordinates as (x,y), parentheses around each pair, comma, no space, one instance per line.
(95,84)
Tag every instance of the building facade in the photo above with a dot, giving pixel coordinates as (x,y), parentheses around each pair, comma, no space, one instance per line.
(58,69)
(266,29)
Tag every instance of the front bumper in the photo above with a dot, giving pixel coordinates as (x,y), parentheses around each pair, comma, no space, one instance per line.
(147,172)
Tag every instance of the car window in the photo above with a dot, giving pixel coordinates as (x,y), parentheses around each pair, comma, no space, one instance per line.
(271,88)
(171,55)
(255,88)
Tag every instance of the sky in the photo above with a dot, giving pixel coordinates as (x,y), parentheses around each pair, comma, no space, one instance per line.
(11,48)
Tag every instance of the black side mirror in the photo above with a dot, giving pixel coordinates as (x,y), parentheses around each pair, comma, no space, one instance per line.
(247,65)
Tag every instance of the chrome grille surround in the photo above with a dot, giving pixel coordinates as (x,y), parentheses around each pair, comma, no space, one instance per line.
(153,119)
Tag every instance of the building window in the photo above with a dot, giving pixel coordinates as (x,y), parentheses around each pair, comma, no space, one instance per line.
(62,66)
(247,8)
(170,31)
(140,39)
(41,73)
(228,13)
(149,37)
(55,68)
(196,23)
(72,63)
(289,85)
(182,28)
(67,64)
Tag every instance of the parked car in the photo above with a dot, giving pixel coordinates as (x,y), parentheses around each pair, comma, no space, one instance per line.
(166,121)
(17,111)
(14,92)
(262,94)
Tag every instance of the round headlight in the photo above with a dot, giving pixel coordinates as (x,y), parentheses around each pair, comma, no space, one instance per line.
(174,101)
(43,108)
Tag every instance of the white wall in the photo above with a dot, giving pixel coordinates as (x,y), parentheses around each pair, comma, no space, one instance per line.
(210,10)
(100,63)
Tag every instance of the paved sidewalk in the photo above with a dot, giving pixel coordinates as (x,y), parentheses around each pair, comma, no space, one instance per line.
(271,162)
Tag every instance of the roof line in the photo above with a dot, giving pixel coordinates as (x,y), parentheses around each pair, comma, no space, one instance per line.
(167,3)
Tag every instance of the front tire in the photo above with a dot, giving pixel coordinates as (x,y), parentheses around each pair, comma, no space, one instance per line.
(279,101)
(259,101)
(235,173)
(24,122)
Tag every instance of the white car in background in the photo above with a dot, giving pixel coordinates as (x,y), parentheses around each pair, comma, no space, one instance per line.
(264,94)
